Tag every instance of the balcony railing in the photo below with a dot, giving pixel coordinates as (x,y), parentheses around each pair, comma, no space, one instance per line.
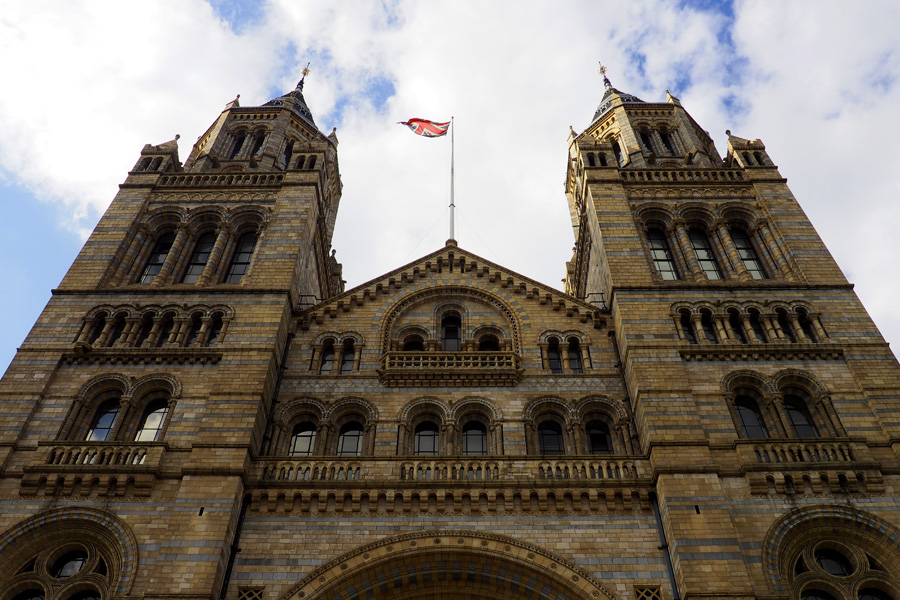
(107,456)
(796,452)
(450,368)
(449,470)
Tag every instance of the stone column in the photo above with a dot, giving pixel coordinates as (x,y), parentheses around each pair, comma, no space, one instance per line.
(731,251)
(801,336)
(172,257)
(719,321)
(104,333)
(775,334)
(817,326)
(564,357)
(699,332)
(132,327)
(124,406)
(782,423)
(357,356)
(688,249)
(154,332)
(215,255)
(749,332)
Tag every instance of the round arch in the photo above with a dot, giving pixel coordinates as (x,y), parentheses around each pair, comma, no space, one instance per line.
(471,564)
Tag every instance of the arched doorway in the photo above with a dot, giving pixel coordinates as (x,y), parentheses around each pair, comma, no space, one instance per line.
(445,565)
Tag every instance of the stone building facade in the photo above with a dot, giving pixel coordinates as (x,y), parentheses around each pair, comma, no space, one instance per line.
(202,411)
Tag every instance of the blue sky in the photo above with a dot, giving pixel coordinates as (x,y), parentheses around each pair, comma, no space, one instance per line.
(96,81)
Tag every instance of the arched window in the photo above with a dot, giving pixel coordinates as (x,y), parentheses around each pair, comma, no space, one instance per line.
(488,343)
(598,437)
(103,422)
(450,333)
(667,141)
(601,156)
(303,439)
(575,356)
(165,330)
(591,160)
(215,329)
(550,438)
(258,140)
(747,253)
(311,162)
(806,325)
(553,357)
(704,253)
(348,354)
(199,257)
(117,330)
(157,257)
(327,358)
(238,144)
(647,141)
(350,439)
(426,439)
(193,331)
(662,256)
(757,326)
(800,417)
(413,343)
(152,422)
(240,260)
(474,438)
(69,564)
(97,326)
(617,152)
(734,320)
(687,325)
(286,155)
(709,330)
(785,324)
(145,329)
(751,419)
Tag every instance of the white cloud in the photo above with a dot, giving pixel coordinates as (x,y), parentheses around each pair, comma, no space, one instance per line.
(96,81)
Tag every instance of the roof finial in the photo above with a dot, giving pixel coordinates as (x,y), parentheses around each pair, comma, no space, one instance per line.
(304,73)
(602,71)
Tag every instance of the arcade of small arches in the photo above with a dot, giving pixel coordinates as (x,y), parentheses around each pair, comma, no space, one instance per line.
(246,143)
(748,323)
(790,405)
(172,246)
(153,327)
(698,243)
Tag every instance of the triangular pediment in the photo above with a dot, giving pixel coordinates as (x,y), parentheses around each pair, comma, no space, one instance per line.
(453,267)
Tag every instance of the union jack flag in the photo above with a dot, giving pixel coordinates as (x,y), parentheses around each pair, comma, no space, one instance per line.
(426,128)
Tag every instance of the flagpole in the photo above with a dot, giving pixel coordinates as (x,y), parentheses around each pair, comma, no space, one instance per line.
(452,177)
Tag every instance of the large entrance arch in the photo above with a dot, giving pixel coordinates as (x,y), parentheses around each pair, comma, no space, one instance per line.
(446,565)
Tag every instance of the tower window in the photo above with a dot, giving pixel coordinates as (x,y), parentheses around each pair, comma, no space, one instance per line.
(806,325)
(152,422)
(157,257)
(575,356)
(286,155)
(550,438)
(488,343)
(348,354)
(617,152)
(303,439)
(117,330)
(747,254)
(199,257)
(258,143)
(240,261)
(165,331)
(709,330)
(69,564)
(553,357)
(238,144)
(704,253)
(662,256)
(785,325)
(667,141)
(144,331)
(752,423)
(474,438)
(450,334)
(598,437)
(687,326)
(647,141)
(800,418)
(833,562)
(757,326)
(591,160)
(734,319)
(215,330)
(194,331)
(426,439)
(327,358)
(350,439)
(103,422)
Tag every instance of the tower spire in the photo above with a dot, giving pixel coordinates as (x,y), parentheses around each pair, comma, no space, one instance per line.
(303,75)
(602,71)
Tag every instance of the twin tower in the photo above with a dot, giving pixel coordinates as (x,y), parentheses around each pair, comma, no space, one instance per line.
(203,412)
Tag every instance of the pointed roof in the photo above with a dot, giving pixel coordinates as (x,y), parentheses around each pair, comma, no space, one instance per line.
(298,103)
(610,95)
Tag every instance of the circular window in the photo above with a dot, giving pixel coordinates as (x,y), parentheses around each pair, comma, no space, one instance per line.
(833,562)
(815,594)
(68,564)
(873,594)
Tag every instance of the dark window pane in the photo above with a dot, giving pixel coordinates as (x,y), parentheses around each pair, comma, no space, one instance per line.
(575,357)
(553,356)
(747,254)
(757,326)
(785,325)
(327,359)
(240,261)
(426,439)
(350,440)
(833,562)
(687,326)
(488,343)
(801,419)
(157,257)
(704,253)
(199,258)
(152,422)
(734,320)
(450,334)
(474,438)
(873,594)
(750,417)
(29,595)
(103,422)
(662,257)
(68,564)
(215,330)
(303,440)
(599,439)
(347,358)
(413,344)
(550,438)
